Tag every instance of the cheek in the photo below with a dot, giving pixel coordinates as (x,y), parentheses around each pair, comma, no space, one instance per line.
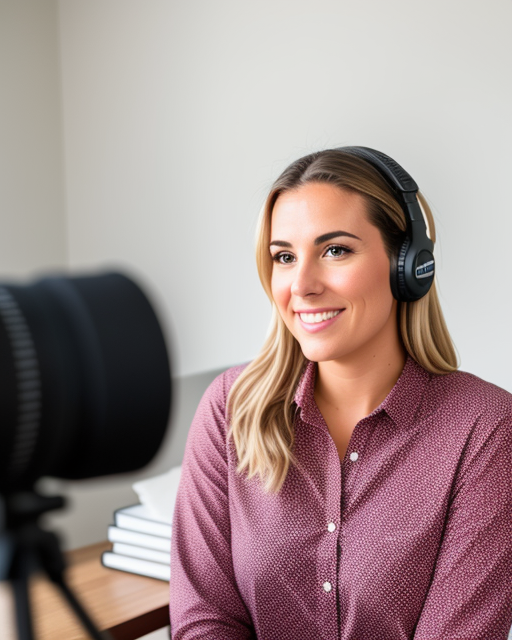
(376,294)
(280,291)
(369,285)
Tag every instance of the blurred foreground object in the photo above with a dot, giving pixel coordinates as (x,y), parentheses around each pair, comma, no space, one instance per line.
(85,391)
(85,385)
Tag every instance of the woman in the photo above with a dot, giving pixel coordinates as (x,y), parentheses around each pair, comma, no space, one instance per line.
(349,483)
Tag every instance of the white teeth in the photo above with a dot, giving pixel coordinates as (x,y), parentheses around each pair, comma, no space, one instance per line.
(313,318)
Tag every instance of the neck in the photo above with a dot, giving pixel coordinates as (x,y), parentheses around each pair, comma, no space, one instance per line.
(359,383)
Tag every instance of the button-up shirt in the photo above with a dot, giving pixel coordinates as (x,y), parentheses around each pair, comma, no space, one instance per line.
(408,537)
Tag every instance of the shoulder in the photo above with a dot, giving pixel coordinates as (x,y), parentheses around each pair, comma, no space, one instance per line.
(214,401)
(219,388)
(470,389)
(469,398)
(207,434)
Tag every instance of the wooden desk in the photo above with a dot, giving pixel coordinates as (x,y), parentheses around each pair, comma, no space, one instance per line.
(127,605)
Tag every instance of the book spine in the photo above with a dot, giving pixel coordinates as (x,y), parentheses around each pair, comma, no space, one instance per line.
(134,565)
(115,534)
(133,523)
(141,552)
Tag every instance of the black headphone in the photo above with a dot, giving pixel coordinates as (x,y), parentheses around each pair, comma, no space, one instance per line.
(412,273)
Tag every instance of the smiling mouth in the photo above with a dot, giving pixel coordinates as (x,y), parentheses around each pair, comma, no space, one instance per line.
(315,318)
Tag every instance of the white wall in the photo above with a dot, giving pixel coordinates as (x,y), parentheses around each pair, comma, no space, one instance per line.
(32,222)
(179,114)
(147,185)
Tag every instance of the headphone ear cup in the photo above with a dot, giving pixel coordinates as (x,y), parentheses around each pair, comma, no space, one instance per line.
(398,279)
(412,266)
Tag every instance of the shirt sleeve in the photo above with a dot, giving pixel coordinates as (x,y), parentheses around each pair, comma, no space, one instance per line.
(470,596)
(204,598)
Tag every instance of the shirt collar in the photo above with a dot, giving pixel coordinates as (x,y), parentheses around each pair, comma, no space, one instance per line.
(304,395)
(401,404)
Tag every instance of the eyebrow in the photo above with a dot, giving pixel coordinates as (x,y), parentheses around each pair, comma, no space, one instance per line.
(323,238)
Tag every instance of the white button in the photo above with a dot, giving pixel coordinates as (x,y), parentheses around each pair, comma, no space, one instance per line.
(331,527)
(354,456)
(327,587)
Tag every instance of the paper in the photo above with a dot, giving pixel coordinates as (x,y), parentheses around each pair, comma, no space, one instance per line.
(159,493)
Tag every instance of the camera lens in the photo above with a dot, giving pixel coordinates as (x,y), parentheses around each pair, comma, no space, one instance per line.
(85,384)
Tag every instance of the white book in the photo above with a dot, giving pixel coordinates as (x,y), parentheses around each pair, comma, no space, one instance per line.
(138,518)
(115,534)
(141,552)
(136,565)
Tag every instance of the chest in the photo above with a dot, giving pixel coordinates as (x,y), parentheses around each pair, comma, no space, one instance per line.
(340,534)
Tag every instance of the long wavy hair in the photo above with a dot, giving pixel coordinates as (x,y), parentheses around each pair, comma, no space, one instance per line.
(261,402)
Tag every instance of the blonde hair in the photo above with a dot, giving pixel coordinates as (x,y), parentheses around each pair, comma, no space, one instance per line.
(261,402)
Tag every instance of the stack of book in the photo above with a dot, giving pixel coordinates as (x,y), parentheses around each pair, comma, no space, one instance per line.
(141,544)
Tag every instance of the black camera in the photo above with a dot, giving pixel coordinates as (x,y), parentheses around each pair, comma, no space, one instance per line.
(85,391)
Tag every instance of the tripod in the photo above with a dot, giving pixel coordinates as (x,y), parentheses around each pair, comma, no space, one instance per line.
(26,548)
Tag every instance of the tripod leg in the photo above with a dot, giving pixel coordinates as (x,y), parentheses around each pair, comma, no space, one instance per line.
(24,547)
(23,616)
(81,614)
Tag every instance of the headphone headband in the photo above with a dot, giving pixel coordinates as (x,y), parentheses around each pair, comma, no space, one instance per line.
(389,168)
(412,272)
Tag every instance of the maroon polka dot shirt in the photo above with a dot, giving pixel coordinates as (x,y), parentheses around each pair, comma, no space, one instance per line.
(409,537)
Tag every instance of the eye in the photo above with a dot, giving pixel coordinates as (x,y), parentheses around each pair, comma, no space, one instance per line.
(283,257)
(337,251)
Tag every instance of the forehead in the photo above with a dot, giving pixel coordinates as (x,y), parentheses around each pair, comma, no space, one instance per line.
(316,208)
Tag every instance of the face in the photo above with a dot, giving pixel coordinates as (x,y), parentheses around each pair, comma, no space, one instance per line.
(330,274)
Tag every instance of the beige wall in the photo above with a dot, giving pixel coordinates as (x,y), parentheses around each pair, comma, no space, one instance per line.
(32,217)
(177,115)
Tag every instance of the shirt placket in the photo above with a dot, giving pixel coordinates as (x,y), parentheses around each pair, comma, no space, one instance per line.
(350,469)
(353,462)
(327,569)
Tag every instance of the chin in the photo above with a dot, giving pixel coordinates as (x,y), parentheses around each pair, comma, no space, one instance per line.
(320,355)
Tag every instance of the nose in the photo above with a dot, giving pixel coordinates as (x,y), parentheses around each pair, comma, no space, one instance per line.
(307,281)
